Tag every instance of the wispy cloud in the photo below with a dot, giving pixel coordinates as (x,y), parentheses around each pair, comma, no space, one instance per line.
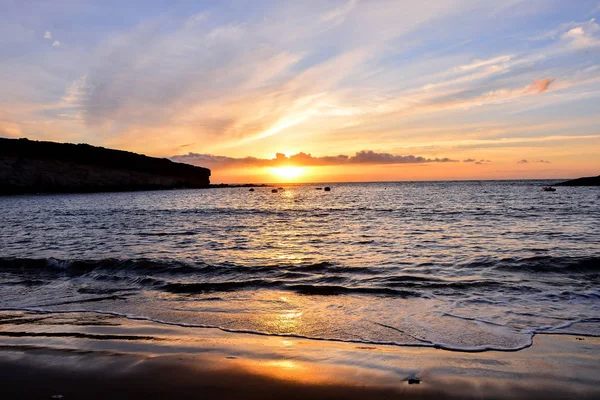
(216,87)
(340,12)
(523,162)
(583,35)
(477,64)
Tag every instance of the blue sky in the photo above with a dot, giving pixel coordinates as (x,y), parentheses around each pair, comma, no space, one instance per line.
(501,81)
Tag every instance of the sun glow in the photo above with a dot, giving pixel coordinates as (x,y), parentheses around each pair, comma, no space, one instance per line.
(287,173)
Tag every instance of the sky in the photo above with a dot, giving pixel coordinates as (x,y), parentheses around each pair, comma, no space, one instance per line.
(313,91)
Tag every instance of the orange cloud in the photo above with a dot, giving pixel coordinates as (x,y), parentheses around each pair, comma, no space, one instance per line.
(539,86)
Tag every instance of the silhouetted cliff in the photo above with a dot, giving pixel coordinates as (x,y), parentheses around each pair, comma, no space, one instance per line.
(28,166)
(589,181)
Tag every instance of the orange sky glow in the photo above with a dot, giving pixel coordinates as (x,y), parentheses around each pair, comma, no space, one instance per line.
(311,91)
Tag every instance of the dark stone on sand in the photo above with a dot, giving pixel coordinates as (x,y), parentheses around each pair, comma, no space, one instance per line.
(413,381)
(251,190)
(28,166)
(587,181)
(327,189)
(319,188)
(274,190)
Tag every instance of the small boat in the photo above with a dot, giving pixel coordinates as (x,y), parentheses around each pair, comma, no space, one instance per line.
(548,189)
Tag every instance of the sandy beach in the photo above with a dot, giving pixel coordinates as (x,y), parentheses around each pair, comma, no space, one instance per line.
(93,356)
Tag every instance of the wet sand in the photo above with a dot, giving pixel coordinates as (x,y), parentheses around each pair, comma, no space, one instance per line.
(91,356)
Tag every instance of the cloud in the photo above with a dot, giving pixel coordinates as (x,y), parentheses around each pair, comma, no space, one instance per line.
(245,81)
(570,31)
(583,35)
(481,162)
(340,12)
(484,63)
(539,86)
(56,43)
(539,161)
(469,160)
(48,35)
(366,157)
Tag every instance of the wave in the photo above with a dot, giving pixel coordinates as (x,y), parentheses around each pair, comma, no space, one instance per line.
(554,264)
(324,290)
(320,278)
(419,343)
(550,264)
(527,337)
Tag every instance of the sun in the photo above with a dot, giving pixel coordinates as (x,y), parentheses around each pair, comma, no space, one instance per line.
(287,173)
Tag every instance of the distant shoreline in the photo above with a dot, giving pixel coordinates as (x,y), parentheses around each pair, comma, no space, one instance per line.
(141,188)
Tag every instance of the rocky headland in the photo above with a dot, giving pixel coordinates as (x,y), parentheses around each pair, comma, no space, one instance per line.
(28,166)
(588,181)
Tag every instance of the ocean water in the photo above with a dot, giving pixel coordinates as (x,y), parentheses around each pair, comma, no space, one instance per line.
(468,266)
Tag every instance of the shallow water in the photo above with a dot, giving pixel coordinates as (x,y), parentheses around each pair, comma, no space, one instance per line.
(459,265)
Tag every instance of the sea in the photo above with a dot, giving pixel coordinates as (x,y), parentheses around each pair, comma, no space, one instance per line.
(465,266)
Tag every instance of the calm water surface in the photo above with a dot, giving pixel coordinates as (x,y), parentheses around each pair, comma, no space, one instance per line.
(461,265)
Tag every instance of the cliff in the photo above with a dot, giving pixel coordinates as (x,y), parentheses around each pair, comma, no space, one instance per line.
(28,166)
(589,181)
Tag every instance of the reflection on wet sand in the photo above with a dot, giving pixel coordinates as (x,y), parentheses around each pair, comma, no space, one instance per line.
(69,352)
